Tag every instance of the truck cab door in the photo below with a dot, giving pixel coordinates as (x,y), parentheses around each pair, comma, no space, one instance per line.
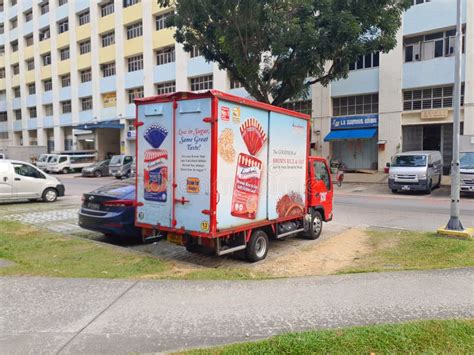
(321,190)
(6,189)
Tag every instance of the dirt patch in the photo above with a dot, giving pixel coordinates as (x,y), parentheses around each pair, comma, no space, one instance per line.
(327,257)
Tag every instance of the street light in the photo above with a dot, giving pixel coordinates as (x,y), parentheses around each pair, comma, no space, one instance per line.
(454,223)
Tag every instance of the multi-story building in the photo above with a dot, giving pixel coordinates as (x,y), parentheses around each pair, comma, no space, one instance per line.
(70,70)
(402,100)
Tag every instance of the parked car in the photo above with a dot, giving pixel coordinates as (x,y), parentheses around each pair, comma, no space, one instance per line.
(43,160)
(121,166)
(110,210)
(467,171)
(20,181)
(415,171)
(68,163)
(101,168)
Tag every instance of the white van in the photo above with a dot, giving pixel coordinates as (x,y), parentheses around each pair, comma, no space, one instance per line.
(22,181)
(68,163)
(42,161)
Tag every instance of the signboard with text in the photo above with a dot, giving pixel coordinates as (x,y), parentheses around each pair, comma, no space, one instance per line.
(355,122)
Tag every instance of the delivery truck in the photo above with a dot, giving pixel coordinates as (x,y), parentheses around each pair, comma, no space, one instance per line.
(223,173)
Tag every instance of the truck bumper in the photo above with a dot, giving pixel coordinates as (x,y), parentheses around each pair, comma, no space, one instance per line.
(422,185)
(467,188)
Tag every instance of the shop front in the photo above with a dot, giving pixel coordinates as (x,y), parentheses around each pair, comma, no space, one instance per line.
(353,141)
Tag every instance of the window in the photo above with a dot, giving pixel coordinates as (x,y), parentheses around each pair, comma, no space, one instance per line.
(86,103)
(108,39)
(30,64)
(135,63)
(17,114)
(195,52)
(16,92)
(48,109)
(32,112)
(65,80)
(2,50)
(166,55)
(47,85)
(299,106)
(28,15)
(13,2)
(135,30)
(44,8)
(2,29)
(63,26)
(3,135)
(31,89)
(16,69)
(108,69)
(14,23)
(355,105)
(3,117)
(86,75)
(127,3)
(417,2)
(62,2)
(430,98)
(44,34)
(109,99)
(66,106)
(14,46)
(433,45)
(84,17)
(28,171)
(64,53)
(85,47)
(161,20)
(29,40)
(2,73)
(235,84)
(135,93)
(166,88)
(46,59)
(201,83)
(366,61)
(107,9)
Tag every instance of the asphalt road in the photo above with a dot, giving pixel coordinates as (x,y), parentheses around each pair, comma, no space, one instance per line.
(103,316)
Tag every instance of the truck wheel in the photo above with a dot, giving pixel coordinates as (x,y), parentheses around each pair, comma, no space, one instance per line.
(430,187)
(65,170)
(316,226)
(49,195)
(98,174)
(257,248)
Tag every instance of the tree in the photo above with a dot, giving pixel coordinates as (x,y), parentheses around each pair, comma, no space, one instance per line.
(277,48)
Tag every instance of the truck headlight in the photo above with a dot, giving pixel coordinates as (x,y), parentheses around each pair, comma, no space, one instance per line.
(391,176)
(422,177)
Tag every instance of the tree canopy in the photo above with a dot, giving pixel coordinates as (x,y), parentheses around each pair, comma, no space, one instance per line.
(277,48)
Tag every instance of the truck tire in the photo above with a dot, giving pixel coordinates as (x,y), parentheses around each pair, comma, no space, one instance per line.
(49,195)
(65,170)
(257,247)
(316,226)
(430,187)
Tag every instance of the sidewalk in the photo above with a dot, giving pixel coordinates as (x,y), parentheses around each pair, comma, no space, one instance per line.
(379,178)
(47,315)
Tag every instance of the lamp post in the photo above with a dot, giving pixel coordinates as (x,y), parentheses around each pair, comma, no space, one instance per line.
(454,223)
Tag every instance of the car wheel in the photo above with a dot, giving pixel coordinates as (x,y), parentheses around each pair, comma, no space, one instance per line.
(430,187)
(65,170)
(438,185)
(394,191)
(118,177)
(50,195)
(257,248)
(98,173)
(316,226)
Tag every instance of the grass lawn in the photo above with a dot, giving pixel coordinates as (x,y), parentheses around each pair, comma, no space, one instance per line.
(406,250)
(423,337)
(43,253)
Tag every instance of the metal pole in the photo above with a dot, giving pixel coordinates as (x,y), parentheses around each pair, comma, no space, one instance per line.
(454,221)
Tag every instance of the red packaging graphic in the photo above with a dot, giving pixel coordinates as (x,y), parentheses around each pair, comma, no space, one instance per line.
(246,187)
(156,175)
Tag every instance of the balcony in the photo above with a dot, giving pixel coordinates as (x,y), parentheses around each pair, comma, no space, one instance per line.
(47,97)
(108,84)
(133,46)
(107,54)
(164,72)
(198,66)
(84,61)
(362,81)
(163,38)
(85,89)
(3,105)
(31,100)
(106,23)
(65,119)
(108,113)
(62,11)
(64,66)
(134,79)
(3,126)
(45,72)
(132,13)
(83,32)
(45,46)
(16,103)
(17,126)
(65,93)
(44,20)
(62,39)
(48,122)
(32,123)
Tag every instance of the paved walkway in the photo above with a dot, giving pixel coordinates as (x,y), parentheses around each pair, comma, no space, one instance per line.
(105,316)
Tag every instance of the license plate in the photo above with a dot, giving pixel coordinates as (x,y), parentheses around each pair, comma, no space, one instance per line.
(93,206)
(175,239)
(406,187)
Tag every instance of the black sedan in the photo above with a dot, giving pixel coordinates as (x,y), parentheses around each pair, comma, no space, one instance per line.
(111,210)
(101,168)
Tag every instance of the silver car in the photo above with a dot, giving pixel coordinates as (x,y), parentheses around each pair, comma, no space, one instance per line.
(121,166)
(22,181)
(415,171)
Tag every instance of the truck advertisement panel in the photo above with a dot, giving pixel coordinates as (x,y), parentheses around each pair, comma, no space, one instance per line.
(242,164)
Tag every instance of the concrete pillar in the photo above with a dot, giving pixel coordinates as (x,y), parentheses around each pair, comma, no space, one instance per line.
(42,137)
(26,137)
(469,79)
(58,139)
(390,103)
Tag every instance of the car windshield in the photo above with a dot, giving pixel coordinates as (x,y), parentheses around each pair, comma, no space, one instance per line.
(42,157)
(53,159)
(409,161)
(116,159)
(122,189)
(467,160)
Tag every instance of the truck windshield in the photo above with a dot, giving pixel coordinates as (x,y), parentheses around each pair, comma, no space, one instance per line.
(116,159)
(409,161)
(53,159)
(467,160)
(42,157)
(50,159)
